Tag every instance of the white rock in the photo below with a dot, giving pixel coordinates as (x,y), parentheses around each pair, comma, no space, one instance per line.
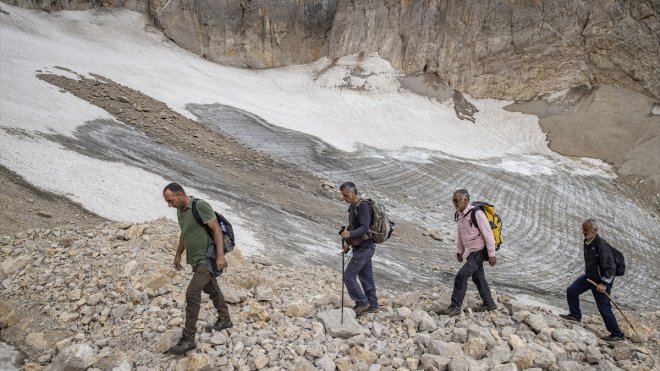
(593,355)
(95,298)
(475,348)
(12,266)
(451,350)
(523,357)
(564,335)
(36,341)
(73,357)
(263,293)
(403,313)
(130,268)
(219,338)
(325,364)
(233,296)
(516,342)
(198,362)
(536,322)
(424,321)
(434,362)
(260,361)
(499,354)
(332,322)
(75,294)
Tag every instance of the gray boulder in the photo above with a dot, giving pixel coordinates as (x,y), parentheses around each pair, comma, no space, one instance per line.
(331,320)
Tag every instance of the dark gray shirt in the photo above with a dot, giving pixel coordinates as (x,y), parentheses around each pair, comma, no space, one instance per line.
(359,219)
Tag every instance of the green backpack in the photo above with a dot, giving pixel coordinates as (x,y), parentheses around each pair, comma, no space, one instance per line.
(381,227)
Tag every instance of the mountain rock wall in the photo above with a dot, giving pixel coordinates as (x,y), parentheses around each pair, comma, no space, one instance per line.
(519,49)
(256,34)
(508,49)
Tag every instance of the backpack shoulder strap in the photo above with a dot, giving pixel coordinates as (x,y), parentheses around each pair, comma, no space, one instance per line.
(197,217)
(357,206)
(195,212)
(473,217)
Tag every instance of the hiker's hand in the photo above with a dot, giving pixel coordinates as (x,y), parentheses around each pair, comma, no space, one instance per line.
(177,263)
(346,248)
(220,263)
(459,257)
(492,261)
(345,233)
(601,288)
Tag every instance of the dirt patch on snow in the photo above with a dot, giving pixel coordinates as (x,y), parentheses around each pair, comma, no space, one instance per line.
(25,207)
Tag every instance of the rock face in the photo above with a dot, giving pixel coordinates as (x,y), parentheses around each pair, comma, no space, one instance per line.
(254,34)
(509,49)
(513,49)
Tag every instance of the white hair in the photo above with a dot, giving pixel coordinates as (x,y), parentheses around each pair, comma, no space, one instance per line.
(593,222)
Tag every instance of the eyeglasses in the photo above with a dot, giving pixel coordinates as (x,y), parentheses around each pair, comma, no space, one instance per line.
(456,201)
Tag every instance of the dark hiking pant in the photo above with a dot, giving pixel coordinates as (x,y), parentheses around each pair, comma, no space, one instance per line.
(360,267)
(202,281)
(473,267)
(579,286)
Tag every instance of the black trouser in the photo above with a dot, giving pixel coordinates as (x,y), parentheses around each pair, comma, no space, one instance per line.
(473,267)
(581,285)
(202,280)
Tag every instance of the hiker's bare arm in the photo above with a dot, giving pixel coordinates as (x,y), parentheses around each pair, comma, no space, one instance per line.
(177,256)
(220,261)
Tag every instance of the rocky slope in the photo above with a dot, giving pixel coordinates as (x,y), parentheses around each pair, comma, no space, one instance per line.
(107,298)
(515,50)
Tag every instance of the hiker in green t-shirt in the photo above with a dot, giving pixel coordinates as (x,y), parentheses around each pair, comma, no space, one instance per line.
(194,239)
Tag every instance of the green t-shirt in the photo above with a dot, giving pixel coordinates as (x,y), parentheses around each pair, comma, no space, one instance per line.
(195,238)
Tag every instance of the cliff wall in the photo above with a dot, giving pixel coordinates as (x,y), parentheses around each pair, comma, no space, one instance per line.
(519,50)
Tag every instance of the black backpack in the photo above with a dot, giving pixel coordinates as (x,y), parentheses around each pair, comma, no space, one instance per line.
(619,260)
(225,226)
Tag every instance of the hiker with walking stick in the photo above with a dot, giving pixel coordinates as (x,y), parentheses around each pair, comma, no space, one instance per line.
(600,268)
(356,236)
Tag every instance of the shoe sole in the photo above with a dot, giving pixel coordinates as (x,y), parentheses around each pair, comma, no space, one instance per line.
(475,310)
(211,328)
(180,354)
(360,311)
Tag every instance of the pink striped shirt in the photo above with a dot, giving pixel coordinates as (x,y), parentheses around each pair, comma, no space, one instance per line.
(469,239)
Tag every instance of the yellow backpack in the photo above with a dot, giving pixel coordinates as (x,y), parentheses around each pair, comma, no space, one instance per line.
(493,219)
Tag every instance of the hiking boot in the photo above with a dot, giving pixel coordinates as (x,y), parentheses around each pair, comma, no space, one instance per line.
(451,311)
(220,325)
(613,338)
(359,309)
(186,343)
(569,317)
(484,308)
(372,310)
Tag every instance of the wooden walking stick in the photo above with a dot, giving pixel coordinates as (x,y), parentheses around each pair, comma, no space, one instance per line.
(624,316)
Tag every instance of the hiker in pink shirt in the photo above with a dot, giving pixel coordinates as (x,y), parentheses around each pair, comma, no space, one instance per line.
(475,244)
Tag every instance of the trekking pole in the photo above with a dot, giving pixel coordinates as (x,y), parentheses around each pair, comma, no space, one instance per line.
(343,258)
(624,316)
